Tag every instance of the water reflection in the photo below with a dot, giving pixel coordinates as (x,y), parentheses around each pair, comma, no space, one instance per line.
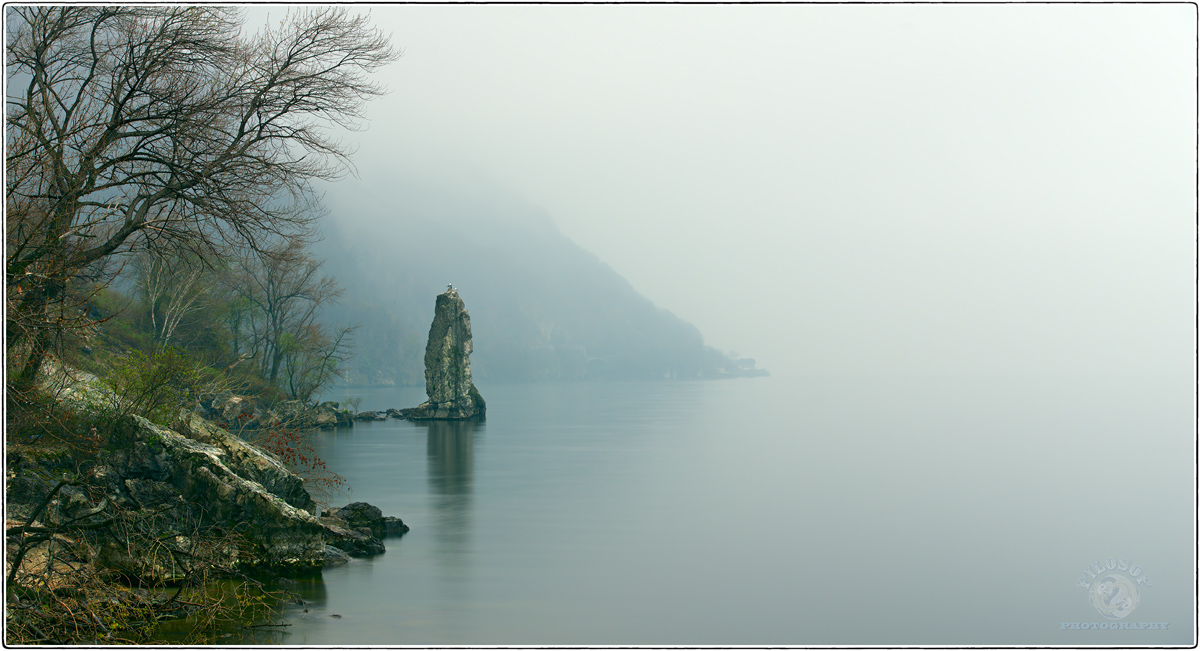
(308,589)
(450,456)
(268,604)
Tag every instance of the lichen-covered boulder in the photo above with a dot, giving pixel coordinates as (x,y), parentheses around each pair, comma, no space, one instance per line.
(76,389)
(282,537)
(328,414)
(251,462)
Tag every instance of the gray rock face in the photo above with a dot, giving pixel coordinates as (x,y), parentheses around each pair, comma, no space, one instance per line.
(227,480)
(452,395)
(284,537)
(448,351)
(251,462)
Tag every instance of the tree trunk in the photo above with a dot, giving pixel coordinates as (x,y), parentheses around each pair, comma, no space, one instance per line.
(39,338)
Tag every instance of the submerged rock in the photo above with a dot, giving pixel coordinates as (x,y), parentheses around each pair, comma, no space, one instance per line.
(393,526)
(452,394)
(335,556)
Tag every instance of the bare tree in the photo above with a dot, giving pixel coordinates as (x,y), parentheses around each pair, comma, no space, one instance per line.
(283,330)
(145,125)
(172,287)
(313,358)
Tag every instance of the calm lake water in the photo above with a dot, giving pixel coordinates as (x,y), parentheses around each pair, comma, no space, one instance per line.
(767,512)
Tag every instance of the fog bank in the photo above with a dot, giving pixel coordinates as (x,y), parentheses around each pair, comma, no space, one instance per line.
(900,189)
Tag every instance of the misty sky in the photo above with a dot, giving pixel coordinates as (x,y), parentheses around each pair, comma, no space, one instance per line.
(837,189)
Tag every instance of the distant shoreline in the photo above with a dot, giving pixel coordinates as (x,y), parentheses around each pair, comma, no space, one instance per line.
(763,373)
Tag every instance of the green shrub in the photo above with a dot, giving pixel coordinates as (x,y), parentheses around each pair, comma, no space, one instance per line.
(37,419)
(157,386)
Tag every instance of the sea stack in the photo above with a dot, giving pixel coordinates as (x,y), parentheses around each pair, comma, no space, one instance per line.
(452,395)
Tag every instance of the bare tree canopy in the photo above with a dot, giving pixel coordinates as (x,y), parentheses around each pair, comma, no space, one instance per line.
(166,126)
(172,287)
(281,294)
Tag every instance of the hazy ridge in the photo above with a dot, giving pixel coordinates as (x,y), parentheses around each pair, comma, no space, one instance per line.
(542,307)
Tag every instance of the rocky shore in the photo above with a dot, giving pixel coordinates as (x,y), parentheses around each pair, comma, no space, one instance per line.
(170,484)
(154,504)
(448,384)
(232,411)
